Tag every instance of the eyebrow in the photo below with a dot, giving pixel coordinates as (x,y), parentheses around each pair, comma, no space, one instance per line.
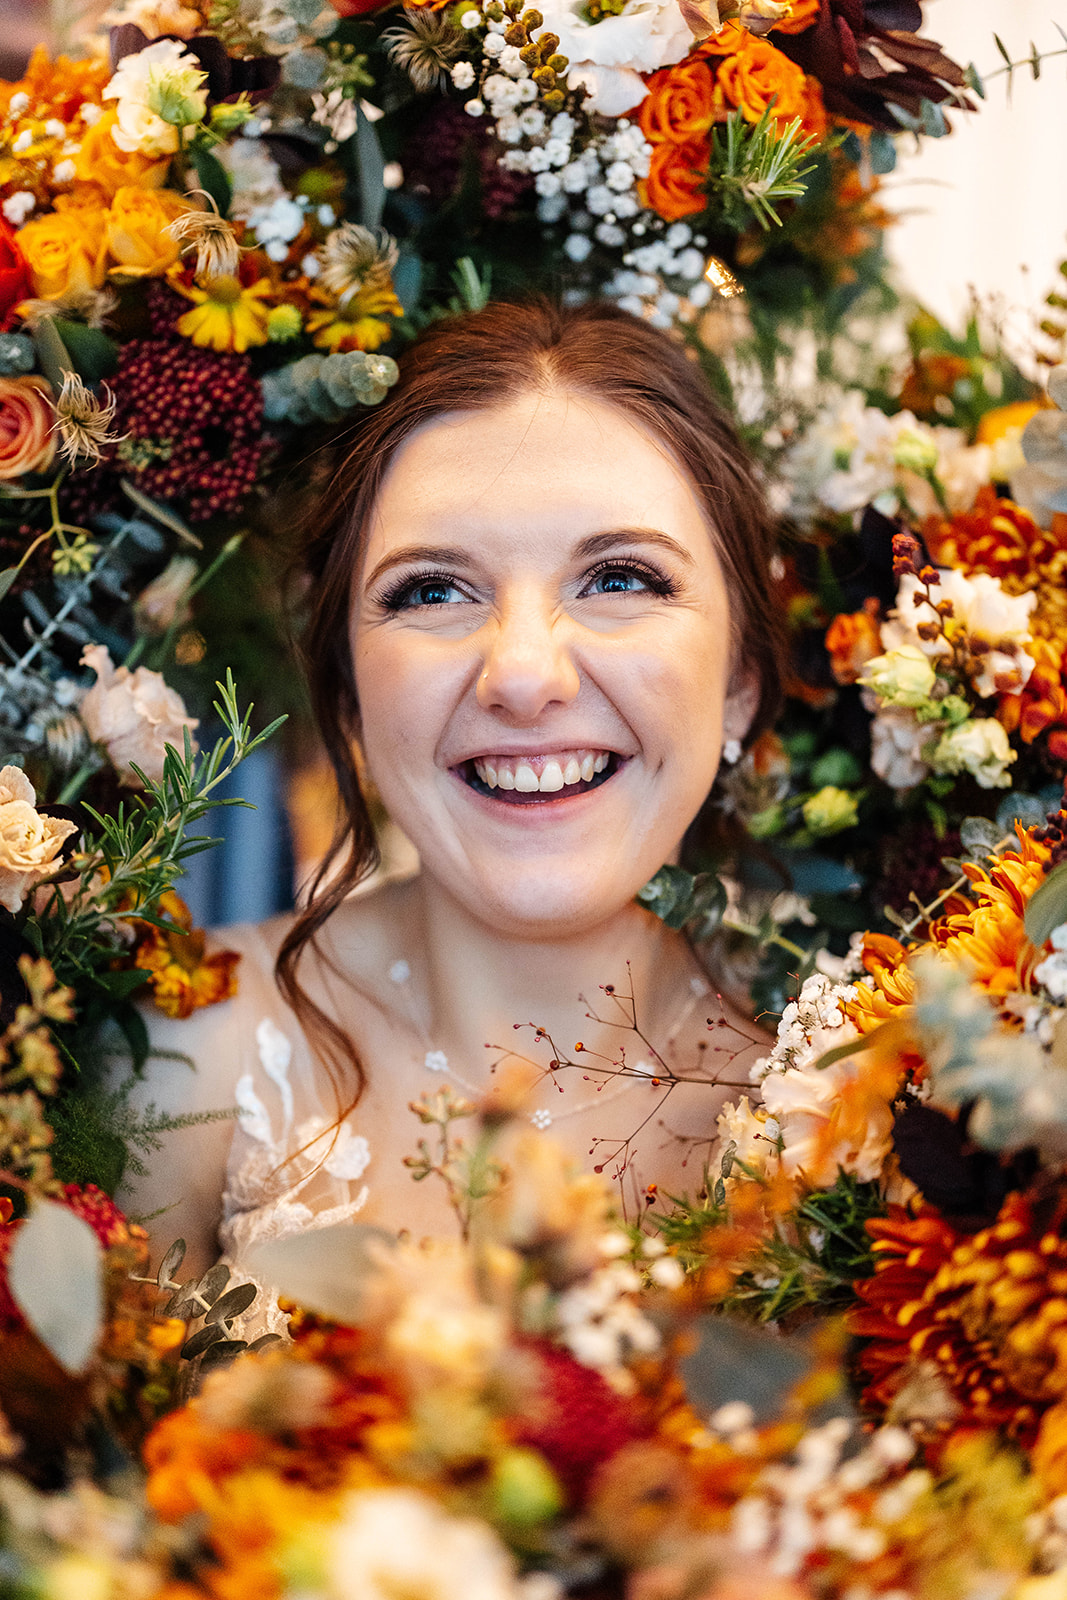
(596,544)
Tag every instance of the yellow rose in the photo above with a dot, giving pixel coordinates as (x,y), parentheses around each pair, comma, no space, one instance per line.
(65,251)
(27,443)
(137,240)
(100,161)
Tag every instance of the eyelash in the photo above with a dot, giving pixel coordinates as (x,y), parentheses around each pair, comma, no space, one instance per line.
(396,596)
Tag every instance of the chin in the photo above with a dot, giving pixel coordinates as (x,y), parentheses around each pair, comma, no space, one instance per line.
(543,906)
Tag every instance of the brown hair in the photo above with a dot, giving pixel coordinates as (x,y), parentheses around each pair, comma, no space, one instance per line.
(473,363)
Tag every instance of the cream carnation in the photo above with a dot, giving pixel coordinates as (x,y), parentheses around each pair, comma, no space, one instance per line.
(979,746)
(133,715)
(608,57)
(994,626)
(897,743)
(29,842)
(390,1542)
(159,91)
(902,677)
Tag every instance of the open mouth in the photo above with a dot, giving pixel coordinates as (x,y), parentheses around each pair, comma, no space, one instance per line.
(534,780)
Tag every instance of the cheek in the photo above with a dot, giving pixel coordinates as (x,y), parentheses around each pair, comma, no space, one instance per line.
(403,691)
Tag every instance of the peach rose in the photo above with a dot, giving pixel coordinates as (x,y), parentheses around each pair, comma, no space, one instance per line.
(29,842)
(676,178)
(751,73)
(100,161)
(65,251)
(27,443)
(137,240)
(680,103)
(134,715)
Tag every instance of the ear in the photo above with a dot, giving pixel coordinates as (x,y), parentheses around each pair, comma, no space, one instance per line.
(741,705)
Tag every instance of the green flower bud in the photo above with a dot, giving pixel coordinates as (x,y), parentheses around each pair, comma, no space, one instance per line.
(524,1489)
(829,811)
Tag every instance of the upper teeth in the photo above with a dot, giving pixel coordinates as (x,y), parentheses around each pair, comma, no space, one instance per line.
(544,774)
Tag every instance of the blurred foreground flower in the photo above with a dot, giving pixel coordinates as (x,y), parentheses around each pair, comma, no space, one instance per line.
(134,715)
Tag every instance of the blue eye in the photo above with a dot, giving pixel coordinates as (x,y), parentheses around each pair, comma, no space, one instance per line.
(618,580)
(418,594)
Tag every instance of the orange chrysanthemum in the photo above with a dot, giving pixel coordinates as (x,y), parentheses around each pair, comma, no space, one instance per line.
(988,1310)
(183,976)
(885,959)
(990,937)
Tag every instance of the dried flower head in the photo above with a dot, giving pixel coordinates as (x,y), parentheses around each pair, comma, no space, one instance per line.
(212,236)
(94,307)
(82,422)
(425,46)
(355,258)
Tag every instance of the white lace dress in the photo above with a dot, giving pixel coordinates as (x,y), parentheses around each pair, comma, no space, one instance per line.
(289,1168)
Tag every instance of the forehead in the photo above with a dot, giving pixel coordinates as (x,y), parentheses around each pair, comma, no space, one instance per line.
(546,463)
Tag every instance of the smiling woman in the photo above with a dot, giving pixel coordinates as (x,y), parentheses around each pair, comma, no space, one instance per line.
(542,606)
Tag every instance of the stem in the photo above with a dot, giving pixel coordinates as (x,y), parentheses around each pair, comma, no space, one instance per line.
(74,786)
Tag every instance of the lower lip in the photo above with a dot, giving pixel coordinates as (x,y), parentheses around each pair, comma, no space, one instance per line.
(550,807)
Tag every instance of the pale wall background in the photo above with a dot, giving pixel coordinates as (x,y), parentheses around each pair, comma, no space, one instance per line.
(987,207)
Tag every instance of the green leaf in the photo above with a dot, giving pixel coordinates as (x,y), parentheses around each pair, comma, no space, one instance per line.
(51,352)
(999,42)
(371,170)
(7,578)
(853,1047)
(973,80)
(162,514)
(1035,61)
(212,176)
(94,355)
(935,123)
(1047,907)
(55,1277)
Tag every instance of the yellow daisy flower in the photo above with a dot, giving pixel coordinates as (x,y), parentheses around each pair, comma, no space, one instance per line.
(358,324)
(226,315)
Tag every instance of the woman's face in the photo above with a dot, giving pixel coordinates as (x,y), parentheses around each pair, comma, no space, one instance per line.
(542,648)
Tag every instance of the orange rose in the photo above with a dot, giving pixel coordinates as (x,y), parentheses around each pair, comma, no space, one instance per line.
(27,443)
(137,240)
(802,14)
(66,251)
(100,161)
(751,74)
(680,103)
(676,179)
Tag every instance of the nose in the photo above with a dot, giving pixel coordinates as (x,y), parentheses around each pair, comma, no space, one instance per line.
(527,665)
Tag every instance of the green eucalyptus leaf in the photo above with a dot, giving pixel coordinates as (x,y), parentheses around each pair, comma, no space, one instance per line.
(325,1269)
(93,354)
(212,176)
(51,352)
(201,1341)
(54,1272)
(371,170)
(170,1264)
(232,1303)
(7,578)
(1047,907)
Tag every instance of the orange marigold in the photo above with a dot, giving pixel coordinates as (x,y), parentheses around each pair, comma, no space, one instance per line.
(183,976)
(853,639)
(1001,538)
(56,88)
(676,177)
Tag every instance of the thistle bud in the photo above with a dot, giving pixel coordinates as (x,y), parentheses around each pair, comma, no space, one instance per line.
(516,36)
(544,78)
(530,55)
(548,44)
(554,100)
(532,20)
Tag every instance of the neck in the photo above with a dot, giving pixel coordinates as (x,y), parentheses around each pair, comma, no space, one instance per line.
(479,984)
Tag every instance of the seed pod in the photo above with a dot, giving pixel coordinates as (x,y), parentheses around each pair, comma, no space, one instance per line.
(548,44)
(554,100)
(516,36)
(531,55)
(544,78)
(495,12)
(558,63)
(532,20)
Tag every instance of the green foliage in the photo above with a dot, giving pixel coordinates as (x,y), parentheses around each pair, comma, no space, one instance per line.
(683,900)
(757,167)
